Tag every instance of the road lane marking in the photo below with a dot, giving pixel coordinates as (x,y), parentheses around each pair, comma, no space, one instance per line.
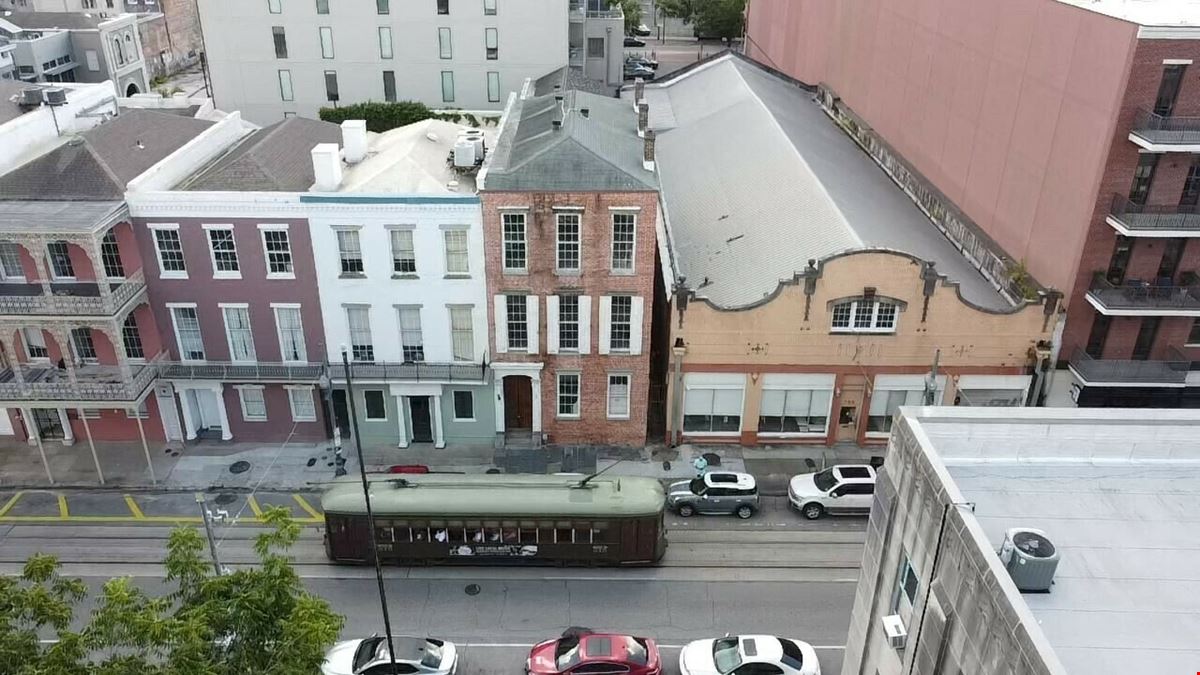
(12,501)
(254,507)
(134,508)
(99,519)
(63,512)
(307,507)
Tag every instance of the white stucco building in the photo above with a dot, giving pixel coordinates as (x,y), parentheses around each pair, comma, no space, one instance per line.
(271,58)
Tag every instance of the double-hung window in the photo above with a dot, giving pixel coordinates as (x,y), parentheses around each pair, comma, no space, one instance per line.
(404,256)
(359,321)
(457,261)
(170,252)
(10,262)
(85,347)
(254,403)
(568,323)
(375,404)
(35,343)
(291,334)
(60,260)
(223,251)
(110,256)
(620,333)
(568,395)
(350,252)
(238,333)
(518,327)
(618,395)
(412,343)
(304,408)
(278,250)
(462,335)
(187,333)
(864,315)
(567,256)
(624,234)
(514,242)
(132,338)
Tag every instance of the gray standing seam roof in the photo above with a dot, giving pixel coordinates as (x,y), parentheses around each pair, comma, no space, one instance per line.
(600,152)
(277,158)
(748,161)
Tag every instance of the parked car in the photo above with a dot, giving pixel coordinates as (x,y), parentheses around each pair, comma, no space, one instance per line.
(641,60)
(642,30)
(631,41)
(717,492)
(748,654)
(839,490)
(408,468)
(634,71)
(594,653)
(369,656)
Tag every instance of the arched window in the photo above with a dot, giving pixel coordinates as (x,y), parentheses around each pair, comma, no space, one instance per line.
(118,53)
(865,315)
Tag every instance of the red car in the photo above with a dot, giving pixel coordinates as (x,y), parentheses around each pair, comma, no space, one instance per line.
(591,652)
(408,468)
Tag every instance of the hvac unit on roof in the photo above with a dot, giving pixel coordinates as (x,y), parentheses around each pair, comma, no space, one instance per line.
(55,96)
(475,136)
(464,153)
(1030,559)
(31,96)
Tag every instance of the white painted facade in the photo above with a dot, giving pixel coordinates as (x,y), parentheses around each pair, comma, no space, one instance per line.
(29,135)
(360,44)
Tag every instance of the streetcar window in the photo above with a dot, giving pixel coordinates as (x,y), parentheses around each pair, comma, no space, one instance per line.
(545,532)
(601,532)
(420,531)
(563,534)
(509,533)
(528,533)
(384,533)
(491,531)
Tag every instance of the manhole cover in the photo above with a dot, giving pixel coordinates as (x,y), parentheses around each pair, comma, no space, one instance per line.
(239,467)
(473,589)
(225,499)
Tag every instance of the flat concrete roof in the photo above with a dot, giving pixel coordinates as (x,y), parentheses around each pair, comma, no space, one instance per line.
(1117,493)
(412,159)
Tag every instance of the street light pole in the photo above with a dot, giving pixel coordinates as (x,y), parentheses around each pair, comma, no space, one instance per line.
(362,471)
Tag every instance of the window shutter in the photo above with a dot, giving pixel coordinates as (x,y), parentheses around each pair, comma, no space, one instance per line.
(605,323)
(531,318)
(501,322)
(551,324)
(635,326)
(585,324)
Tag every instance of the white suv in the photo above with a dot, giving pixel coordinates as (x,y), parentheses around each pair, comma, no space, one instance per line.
(842,489)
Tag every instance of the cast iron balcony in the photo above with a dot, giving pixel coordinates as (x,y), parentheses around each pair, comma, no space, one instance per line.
(1170,370)
(1143,298)
(101,384)
(1137,220)
(1165,133)
(243,372)
(412,372)
(68,298)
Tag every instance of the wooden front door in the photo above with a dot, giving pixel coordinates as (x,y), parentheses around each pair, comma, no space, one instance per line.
(518,403)
(422,424)
(850,408)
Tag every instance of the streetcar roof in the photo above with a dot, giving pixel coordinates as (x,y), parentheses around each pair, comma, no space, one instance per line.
(511,495)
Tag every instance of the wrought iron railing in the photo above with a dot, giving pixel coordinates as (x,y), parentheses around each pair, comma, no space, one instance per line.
(1171,368)
(1166,129)
(413,372)
(246,372)
(1136,216)
(93,383)
(1143,295)
(69,299)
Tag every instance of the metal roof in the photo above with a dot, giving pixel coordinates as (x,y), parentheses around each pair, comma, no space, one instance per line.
(274,159)
(748,161)
(496,496)
(33,217)
(599,152)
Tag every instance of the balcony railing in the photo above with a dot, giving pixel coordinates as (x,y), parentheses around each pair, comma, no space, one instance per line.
(247,372)
(1170,370)
(1166,129)
(577,10)
(1142,298)
(93,383)
(413,372)
(1139,218)
(68,298)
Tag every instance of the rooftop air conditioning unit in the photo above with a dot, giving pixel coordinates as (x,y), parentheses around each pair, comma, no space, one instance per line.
(464,153)
(893,628)
(474,136)
(56,96)
(31,96)
(1030,558)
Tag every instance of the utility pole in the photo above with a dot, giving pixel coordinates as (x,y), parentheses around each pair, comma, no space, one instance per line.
(931,380)
(206,516)
(362,471)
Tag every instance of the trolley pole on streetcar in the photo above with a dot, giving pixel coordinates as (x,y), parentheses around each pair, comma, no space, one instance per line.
(362,471)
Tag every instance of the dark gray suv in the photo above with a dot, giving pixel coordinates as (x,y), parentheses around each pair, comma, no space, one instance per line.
(718,492)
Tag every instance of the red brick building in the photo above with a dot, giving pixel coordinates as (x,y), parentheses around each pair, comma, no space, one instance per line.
(570,211)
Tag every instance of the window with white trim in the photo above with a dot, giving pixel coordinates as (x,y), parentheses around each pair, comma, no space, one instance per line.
(35,343)
(375,405)
(618,395)
(568,323)
(908,584)
(624,236)
(291,335)
(359,321)
(187,333)
(404,255)
(254,403)
(885,404)
(457,261)
(514,242)
(712,410)
(462,333)
(567,258)
(412,343)
(621,323)
(60,260)
(224,252)
(10,261)
(350,252)
(170,252)
(132,338)
(110,256)
(277,247)
(864,315)
(84,346)
(568,394)
(304,408)
(794,411)
(464,406)
(238,334)
(518,327)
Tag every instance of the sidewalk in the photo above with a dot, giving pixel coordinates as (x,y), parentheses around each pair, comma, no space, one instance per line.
(214,465)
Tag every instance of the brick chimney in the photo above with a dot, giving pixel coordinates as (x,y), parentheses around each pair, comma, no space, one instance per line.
(648,151)
(639,91)
(643,117)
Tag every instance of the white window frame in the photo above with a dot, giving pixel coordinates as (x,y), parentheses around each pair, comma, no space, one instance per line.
(612,247)
(386,50)
(418,333)
(163,272)
(470,331)
(873,328)
(14,249)
(362,258)
(350,330)
(212,252)
(325,35)
(411,251)
(559,215)
(289,306)
(25,333)
(252,357)
(263,229)
(293,390)
(242,389)
(508,322)
(558,392)
(466,250)
(716,382)
(523,242)
(367,409)
(788,390)
(171,307)
(454,404)
(628,395)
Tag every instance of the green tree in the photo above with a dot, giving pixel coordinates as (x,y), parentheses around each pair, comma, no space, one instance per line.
(720,18)
(679,9)
(633,13)
(37,604)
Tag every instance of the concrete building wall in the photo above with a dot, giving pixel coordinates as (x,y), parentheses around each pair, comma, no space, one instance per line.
(25,136)
(245,71)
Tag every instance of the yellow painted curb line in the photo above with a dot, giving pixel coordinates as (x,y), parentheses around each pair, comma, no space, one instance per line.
(11,503)
(307,507)
(134,508)
(258,514)
(63,512)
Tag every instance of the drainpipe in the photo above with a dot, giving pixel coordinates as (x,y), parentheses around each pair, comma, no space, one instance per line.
(675,421)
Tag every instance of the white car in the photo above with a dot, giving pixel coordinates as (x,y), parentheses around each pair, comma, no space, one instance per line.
(845,489)
(749,655)
(424,656)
